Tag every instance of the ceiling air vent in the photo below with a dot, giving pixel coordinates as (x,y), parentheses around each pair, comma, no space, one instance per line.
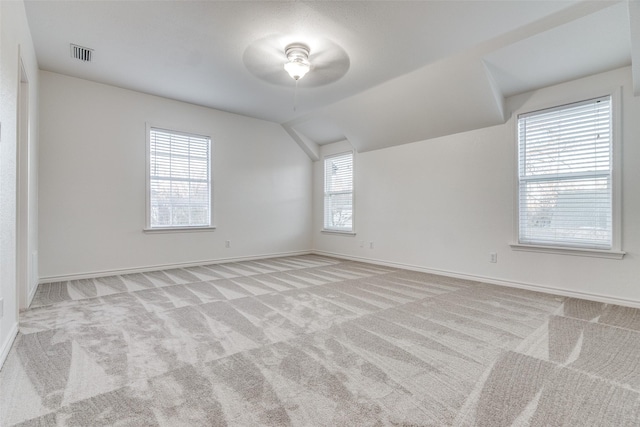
(82,53)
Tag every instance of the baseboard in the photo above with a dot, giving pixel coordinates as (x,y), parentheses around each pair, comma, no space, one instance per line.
(520,285)
(6,345)
(103,273)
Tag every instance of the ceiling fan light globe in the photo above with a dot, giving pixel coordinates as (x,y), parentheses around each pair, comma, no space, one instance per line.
(297,68)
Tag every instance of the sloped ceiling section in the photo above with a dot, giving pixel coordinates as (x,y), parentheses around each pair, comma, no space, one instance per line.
(467,91)
(448,97)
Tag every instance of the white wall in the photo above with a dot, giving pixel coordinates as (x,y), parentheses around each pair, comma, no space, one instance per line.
(15,42)
(443,204)
(92,182)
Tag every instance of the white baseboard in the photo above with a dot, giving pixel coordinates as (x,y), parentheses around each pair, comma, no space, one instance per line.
(118,272)
(6,345)
(520,285)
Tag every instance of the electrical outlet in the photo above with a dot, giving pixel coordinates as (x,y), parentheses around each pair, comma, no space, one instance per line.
(227,243)
(493,257)
(370,245)
(362,243)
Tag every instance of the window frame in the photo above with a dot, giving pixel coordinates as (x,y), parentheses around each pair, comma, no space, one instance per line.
(353,193)
(616,251)
(170,229)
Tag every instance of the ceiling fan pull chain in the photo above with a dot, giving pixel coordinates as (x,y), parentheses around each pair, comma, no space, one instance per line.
(295,97)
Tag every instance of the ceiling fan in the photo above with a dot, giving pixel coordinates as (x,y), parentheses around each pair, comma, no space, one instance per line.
(277,59)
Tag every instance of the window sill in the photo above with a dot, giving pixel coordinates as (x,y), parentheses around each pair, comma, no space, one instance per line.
(345,233)
(178,229)
(595,253)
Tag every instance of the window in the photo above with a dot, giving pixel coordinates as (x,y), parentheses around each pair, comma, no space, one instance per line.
(338,193)
(179,180)
(566,176)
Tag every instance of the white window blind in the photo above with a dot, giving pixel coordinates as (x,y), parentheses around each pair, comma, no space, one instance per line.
(565,175)
(179,179)
(338,192)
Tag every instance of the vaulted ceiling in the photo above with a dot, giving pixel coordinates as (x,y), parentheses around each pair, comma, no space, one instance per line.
(383,73)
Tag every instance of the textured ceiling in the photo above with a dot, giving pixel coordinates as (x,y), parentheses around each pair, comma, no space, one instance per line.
(385,73)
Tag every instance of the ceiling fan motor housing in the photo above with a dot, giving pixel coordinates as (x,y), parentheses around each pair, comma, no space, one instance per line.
(298,57)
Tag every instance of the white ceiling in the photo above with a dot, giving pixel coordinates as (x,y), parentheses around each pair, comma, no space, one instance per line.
(385,73)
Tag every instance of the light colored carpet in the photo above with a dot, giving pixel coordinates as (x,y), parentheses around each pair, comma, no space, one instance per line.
(315,341)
